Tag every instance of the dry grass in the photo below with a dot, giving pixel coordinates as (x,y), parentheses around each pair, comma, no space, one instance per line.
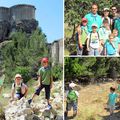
(92,101)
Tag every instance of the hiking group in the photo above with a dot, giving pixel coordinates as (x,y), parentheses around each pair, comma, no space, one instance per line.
(72,97)
(19,89)
(99,35)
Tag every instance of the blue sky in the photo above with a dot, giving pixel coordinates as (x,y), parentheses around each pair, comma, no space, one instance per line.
(49,13)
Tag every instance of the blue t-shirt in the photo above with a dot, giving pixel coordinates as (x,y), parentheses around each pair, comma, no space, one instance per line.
(109,48)
(112,98)
(93,19)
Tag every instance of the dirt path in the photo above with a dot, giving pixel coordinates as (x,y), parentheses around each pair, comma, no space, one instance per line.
(92,101)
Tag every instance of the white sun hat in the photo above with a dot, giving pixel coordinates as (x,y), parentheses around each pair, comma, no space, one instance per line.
(18,76)
(95,25)
(72,85)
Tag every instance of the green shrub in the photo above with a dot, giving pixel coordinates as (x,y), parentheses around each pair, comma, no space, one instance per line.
(57,72)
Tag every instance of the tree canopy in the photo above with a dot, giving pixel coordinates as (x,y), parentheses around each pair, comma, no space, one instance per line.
(76,68)
(22,55)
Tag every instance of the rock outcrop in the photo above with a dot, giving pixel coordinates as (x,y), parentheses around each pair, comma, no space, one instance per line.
(21,110)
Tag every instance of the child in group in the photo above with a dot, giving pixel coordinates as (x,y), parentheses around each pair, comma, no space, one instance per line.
(93,42)
(45,80)
(19,89)
(110,46)
(112,97)
(104,33)
(116,40)
(82,33)
(72,100)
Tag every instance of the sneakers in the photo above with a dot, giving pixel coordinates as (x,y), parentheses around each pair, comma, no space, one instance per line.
(48,107)
(29,101)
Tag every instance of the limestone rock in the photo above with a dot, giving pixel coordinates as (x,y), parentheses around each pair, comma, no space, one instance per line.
(5,95)
(21,110)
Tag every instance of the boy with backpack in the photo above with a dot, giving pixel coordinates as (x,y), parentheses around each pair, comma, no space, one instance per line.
(82,33)
(111,46)
(44,81)
(93,42)
(72,100)
(19,89)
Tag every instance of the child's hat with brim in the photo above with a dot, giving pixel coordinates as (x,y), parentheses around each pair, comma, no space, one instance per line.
(72,85)
(18,76)
(94,25)
(106,9)
(45,59)
(84,20)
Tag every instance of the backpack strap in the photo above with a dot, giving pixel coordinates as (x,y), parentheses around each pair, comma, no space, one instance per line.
(113,46)
(90,38)
(15,84)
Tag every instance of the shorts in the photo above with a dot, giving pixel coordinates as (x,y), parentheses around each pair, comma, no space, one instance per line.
(47,91)
(94,52)
(71,105)
(111,107)
(19,95)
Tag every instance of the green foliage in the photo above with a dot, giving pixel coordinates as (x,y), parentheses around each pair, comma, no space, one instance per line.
(76,9)
(24,71)
(23,52)
(57,71)
(92,67)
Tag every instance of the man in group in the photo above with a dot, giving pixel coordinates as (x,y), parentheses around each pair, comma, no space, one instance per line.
(93,18)
(115,15)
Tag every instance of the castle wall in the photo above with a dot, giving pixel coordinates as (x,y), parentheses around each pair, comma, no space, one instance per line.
(4,14)
(22,12)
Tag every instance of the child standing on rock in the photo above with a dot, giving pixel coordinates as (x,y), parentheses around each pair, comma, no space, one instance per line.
(45,80)
(72,100)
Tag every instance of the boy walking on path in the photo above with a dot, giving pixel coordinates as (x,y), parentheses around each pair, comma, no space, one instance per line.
(72,100)
(112,100)
(44,81)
